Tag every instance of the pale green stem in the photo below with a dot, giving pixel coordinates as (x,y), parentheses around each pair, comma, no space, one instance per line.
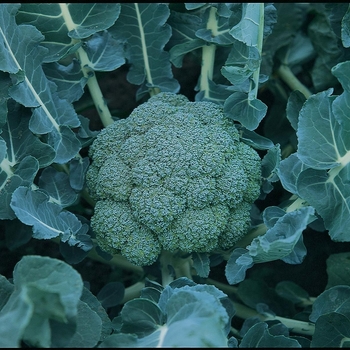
(292,81)
(295,326)
(153,90)
(208,55)
(85,64)
(256,74)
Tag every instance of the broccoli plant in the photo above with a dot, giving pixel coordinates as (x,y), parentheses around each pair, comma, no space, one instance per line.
(174,175)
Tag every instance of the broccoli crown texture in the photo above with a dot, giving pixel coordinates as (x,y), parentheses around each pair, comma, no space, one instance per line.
(173,175)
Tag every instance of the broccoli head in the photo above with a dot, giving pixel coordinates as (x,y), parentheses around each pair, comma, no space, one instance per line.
(173,175)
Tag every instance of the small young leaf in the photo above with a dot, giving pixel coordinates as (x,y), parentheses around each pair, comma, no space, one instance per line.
(291,291)
(56,185)
(295,103)
(338,269)
(104,52)
(248,112)
(111,294)
(289,170)
(237,265)
(201,264)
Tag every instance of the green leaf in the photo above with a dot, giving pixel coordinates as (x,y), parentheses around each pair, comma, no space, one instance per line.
(56,185)
(14,317)
(289,170)
(183,39)
(254,140)
(46,289)
(111,294)
(23,176)
(201,263)
(328,48)
(279,241)
(141,316)
(143,27)
(237,265)
(221,34)
(89,327)
(335,299)
(50,114)
(329,194)
(94,304)
(345,29)
(198,316)
(259,296)
(69,79)
(150,293)
(338,269)
(104,52)
(248,112)
(77,170)
(120,340)
(271,215)
(67,22)
(269,165)
(295,102)
(259,337)
(21,155)
(322,141)
(331,330)
(247,29)
(48,220)
(291,291)
(241,63)
(6,289)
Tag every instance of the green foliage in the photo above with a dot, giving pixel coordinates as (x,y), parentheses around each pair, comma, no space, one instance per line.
(174,175)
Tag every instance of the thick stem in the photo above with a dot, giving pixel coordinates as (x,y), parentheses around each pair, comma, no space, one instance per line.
(295,326)
(92,83)
(292,81)
(208,55)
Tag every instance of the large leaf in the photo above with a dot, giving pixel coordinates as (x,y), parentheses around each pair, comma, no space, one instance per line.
(21,155)
(332,331)
(46,293)
(143,27)
(183,39)
(324,147)
(335,299)
(34,208)
(68,23)
(23,57)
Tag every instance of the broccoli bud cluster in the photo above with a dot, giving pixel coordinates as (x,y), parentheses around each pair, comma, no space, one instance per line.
(173,175)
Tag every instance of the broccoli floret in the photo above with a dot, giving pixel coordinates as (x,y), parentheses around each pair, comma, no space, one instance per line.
(174,176)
